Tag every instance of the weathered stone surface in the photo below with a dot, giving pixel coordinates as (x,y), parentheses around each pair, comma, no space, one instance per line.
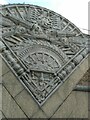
(12,83)
(9,106)
(63,91)
(89,62)
(85,79)
(3,117)
(4,68)
(27,104)
(89,103)
(0,67)
(81,108)
(52,104)
(30,107)
(73,79)
(66,108)
(0,115)
(0,96)
(75,106)
(89,114)
(39,114)
(42,48)
(37,44)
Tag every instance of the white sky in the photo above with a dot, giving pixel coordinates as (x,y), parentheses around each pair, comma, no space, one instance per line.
(74,10)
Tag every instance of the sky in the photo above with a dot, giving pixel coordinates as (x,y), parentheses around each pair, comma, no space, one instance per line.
(74,10)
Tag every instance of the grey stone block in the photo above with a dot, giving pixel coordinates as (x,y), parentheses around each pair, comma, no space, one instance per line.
(73,79)
(0,67)
(4,68)
(12,83)
(39,114)
(75,106)
(27,103)
(0,97)
(0,115)
(4,117)
(66,108)
(52,104)
(9,106)
(81,108)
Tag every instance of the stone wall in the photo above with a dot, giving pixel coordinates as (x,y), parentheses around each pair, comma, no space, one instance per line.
(64,103)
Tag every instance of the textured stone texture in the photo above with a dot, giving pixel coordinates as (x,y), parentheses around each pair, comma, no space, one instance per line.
(85,79)
(56,105)
(25,40)
(43,46)
(5,68)
(9,80)
(9,106)
(12,83)
(63,92)
(89,105)
(0,96)
(75,106)
(73,79)
(89,114)
(0,115)
(0,67)
(59,96)
(81,108)
(4,117)
(66,108)
(52,104)
(39,114)
(27,103)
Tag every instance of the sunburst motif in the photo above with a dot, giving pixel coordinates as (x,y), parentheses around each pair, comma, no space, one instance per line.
(39,42)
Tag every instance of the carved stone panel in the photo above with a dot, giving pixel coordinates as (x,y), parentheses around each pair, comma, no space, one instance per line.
(41,47)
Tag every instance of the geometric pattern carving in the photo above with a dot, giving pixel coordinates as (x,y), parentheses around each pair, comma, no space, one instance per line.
(41,47)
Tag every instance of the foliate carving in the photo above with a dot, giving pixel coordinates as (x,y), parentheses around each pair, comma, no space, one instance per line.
(41,47)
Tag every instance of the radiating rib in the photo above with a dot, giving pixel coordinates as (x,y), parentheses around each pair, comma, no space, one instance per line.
(65,27)
(11,41)
(25,9)
(18,21)
(19,12)
(8,9)
(16,38)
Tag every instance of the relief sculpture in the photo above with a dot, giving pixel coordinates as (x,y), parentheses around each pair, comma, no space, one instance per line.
(41,47)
